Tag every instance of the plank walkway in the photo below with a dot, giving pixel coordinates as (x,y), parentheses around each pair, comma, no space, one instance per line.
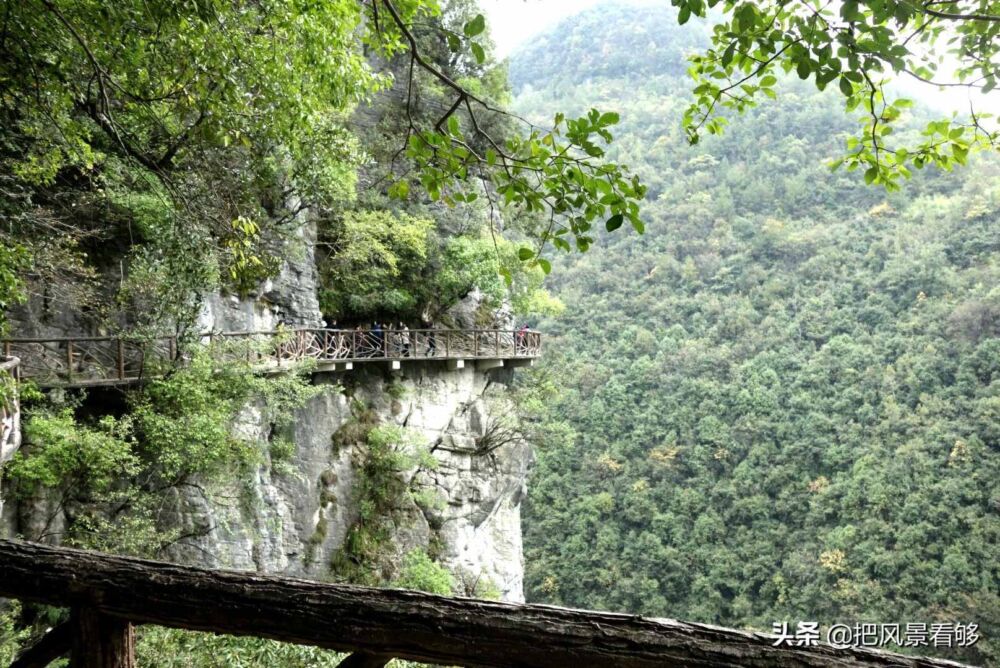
(107,360)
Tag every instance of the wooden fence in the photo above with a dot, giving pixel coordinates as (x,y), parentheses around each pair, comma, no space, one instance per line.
(107,360)
(108,594)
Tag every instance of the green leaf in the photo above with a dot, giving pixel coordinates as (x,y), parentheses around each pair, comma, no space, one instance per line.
(524,253)
(845,87)
(475,26)
(545,265)
(399,189)
(478,52)
(614,222)
(727,55)
(609,118)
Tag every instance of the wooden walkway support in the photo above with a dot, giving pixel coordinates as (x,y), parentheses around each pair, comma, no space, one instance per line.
(105,360)
(109,593)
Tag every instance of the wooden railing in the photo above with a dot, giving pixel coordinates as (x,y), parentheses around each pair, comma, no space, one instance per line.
(108,594)
(107,360)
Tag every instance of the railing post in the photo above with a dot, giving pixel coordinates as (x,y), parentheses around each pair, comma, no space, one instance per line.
(69,360)
(100,641)
(496,336)
(121,359)
(447,343)
(475,343)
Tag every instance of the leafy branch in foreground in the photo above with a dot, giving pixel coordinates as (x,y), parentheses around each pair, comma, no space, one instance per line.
(559,172)
(862,48)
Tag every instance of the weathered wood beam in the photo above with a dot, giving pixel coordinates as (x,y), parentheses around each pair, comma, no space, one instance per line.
(57,642)
(386,622)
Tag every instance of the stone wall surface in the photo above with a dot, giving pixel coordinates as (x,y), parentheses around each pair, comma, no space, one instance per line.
(294,516)
(289,299)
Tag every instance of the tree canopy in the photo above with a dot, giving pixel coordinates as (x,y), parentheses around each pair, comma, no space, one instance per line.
(861,48)
(196,118)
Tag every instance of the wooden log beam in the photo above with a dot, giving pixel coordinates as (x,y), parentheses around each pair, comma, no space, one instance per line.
(386,622)
(57,642)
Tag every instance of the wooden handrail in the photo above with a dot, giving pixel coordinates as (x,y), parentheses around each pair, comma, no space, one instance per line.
(89,360)
(241,333)
(384,622)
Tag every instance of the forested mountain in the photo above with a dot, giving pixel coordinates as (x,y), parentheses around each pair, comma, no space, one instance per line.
(783,401)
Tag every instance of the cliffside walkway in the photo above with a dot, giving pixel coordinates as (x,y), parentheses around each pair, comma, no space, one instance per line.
(108,594)
(109,360)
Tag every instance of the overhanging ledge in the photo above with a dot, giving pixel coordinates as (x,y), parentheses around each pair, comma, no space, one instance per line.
(403,624)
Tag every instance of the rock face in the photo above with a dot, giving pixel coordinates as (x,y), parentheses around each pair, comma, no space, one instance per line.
(290,298)
(293,516)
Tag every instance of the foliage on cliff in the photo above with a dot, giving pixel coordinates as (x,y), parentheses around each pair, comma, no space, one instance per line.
(113,471)
(156,142)
(782,402)
(182,155)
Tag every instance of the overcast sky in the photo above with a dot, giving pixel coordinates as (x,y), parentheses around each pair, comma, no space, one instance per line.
(514,21)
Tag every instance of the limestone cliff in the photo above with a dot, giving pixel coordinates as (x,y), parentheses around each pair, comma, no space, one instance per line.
(292,516)
(300,511)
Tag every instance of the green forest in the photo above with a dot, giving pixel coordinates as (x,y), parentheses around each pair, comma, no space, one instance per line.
(767,286)
(782,401)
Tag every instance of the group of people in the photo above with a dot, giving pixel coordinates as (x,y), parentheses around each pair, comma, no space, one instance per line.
(384,339)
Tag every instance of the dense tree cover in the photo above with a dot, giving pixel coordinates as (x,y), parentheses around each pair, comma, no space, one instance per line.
(391,252)
(782,402)
(193,142)
(168,139)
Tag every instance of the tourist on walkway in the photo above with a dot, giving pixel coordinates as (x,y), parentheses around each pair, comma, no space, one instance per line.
(395,339)
(522,335)
(359,337)
(431,341)
(404,338)
(378,334)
